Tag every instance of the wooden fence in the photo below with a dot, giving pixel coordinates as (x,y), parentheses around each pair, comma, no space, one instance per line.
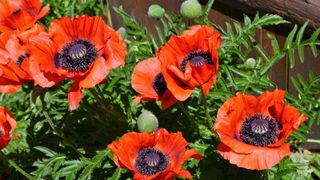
(220,14)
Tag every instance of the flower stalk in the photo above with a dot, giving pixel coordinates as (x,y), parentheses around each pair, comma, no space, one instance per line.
(13,164)
(317,141)
(205,104)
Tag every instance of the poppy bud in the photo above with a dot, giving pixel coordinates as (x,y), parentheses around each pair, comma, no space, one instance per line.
(123,32)
(156,11)
(251,63)
(147,122)
(190,9)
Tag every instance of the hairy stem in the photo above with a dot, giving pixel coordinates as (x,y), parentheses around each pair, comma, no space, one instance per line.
(205,104)
(314,141)
(107,13)
(185,112)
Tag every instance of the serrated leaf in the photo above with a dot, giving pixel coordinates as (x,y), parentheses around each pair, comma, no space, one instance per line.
(160,34)
(274,43)
(301,81)
(291,57)
(207,8)
(116,175)
(238,27)
(299,136)
(229,30)
(313,38)
(270,19)
(239,72)
(316,171)
(301,53)
(300,33)
(270,64)
(288,43)
(296,85)
(247,20)
(71,168)
(95,162)
(46,151)
(262,52)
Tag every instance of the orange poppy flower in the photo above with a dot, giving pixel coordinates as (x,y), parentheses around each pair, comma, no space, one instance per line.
(253,130)
(14,59)
(190,60)
(148,80)
(153,156)
(7,125)
(20,14)
(83,49)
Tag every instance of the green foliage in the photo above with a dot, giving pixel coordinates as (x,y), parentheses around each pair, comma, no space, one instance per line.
(57,166)
(307,99)
(302,165)
(73,146)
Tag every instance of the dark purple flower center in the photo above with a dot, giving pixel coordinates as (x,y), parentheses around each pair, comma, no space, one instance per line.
(22,57)
(159,84)
(151,161)
(76,56)
(259,130)
(196,59)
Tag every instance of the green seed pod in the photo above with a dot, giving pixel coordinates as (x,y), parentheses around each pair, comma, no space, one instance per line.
(147,122)
(190,9)
(123,32)
(156,11)
(251,63)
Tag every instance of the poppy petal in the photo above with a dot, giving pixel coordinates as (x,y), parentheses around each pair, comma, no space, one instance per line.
(143,76)
(115,51)
(171,144)
(44,11)
(7,125)
(207,86)
(124,156)
(258,159)
(96,75)
(75,96)
(175,56)
(38,76)
(9,89)
(167,100)
(185,174)
(236,110)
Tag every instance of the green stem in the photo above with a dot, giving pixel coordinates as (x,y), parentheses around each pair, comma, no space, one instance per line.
(314,141)
(72,8)
(205,104)
(13,164)
(207,9)
(106,11)
(48,119)
(185,112)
